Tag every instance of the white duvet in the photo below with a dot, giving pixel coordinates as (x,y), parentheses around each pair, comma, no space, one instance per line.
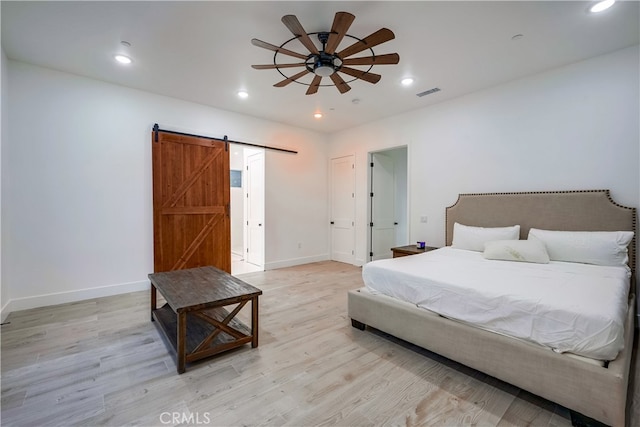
(569,307)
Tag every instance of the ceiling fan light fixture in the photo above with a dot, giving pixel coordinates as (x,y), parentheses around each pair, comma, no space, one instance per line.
(323,70)
(407,81)
(243,94)
(323,65)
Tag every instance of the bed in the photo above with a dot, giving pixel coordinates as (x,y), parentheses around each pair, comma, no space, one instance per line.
(586,385)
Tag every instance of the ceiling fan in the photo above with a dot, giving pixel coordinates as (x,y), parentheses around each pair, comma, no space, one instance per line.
(326,62)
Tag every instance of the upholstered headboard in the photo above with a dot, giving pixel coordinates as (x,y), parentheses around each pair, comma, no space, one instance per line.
(587,210)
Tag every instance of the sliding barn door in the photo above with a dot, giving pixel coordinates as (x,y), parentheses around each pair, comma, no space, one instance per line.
(191,196)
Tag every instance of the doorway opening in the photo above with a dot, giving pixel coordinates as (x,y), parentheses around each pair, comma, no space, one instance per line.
(388,197)
(247,209)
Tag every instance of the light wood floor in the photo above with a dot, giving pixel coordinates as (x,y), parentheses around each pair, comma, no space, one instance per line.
(102,362)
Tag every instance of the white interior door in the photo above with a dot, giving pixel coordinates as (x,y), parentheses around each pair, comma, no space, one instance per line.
(343,209)
(255,209)
(238,198)
(383,221)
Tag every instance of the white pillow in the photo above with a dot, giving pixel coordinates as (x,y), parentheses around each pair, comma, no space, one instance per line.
(474,238)
(587,247)
(516,250)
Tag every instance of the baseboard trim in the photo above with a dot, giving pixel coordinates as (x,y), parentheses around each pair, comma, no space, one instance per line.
(295,261)
(4,312)
(26,303)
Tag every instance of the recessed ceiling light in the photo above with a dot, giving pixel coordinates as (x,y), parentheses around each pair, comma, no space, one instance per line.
(243,94)
(123,59)
(408,81)
(318,115)
(517,37)
(601,6)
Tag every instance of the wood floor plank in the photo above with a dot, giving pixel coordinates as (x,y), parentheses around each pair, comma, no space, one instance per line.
(103,362)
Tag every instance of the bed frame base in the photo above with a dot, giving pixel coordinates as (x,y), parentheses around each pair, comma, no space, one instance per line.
(598,393)
(579,420)
(358,325)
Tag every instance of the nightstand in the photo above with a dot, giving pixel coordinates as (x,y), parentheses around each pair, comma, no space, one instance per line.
(410,250)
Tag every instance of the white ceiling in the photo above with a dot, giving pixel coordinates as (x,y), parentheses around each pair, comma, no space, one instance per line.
(201,51)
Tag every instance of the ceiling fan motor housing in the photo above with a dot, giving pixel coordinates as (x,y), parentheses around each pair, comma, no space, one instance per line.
(323,64)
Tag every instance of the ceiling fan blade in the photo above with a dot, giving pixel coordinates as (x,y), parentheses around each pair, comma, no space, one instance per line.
(390,58)
(291,79)
(380,36)
(340,84)
(314,85)
(363,75)
(272,66)
(265,45)
(341,23)
(292,23)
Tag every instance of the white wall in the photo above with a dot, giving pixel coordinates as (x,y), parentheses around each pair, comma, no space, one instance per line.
(79,203)
(575,127)
(4,289)
(76,197)
(306,199)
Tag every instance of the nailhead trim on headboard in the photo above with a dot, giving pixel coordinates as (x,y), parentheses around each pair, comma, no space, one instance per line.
(632,257)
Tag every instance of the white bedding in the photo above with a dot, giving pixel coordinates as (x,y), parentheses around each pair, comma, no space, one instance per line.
(569,307)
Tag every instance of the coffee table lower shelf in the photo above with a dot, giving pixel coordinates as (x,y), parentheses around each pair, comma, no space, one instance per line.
(207,333)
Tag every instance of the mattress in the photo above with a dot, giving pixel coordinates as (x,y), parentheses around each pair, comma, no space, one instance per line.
(568,307)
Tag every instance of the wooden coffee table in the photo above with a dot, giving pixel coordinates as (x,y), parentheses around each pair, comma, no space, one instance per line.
(194,319)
